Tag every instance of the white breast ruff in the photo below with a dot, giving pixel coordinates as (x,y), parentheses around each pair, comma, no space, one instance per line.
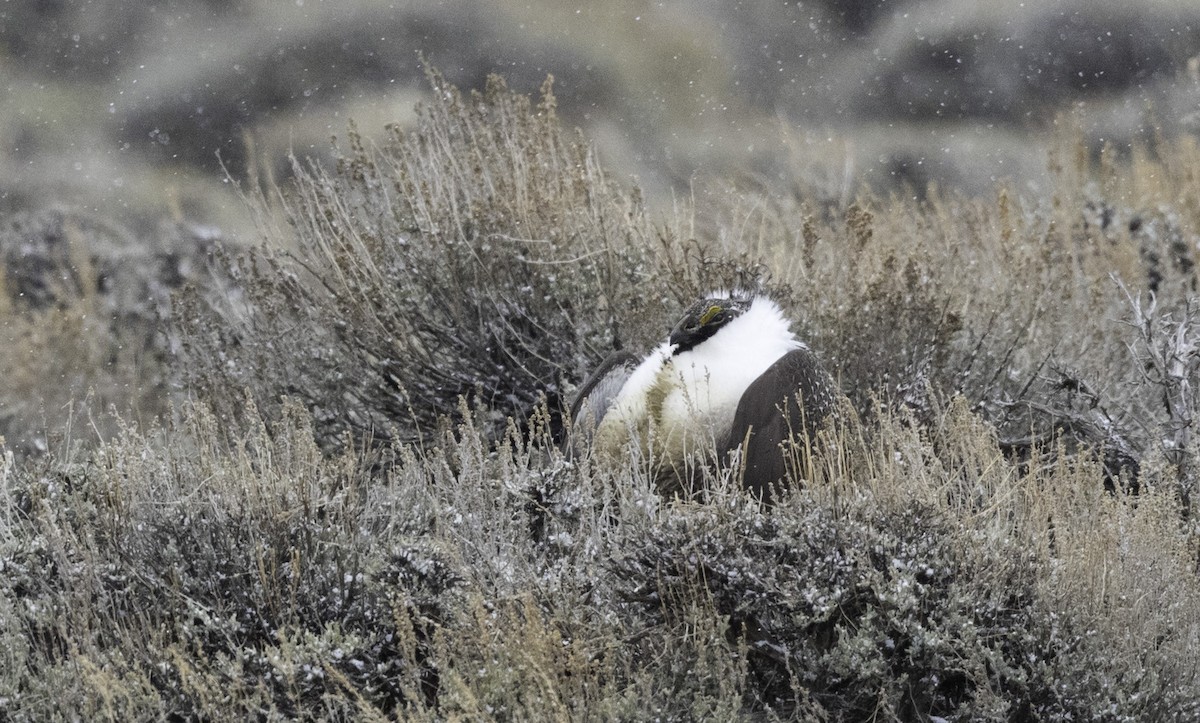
(628,414)
(676,404)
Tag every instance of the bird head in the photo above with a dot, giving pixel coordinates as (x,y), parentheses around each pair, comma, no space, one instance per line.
(705,318)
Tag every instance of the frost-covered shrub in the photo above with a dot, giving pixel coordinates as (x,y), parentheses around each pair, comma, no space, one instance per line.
(224,582)
(850,615)
(478,255)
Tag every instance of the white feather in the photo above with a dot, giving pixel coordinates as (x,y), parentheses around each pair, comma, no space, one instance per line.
(628,412)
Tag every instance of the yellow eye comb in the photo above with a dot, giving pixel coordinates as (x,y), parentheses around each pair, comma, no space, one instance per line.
(709,314)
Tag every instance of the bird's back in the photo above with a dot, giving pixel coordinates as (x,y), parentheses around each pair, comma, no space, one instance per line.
(778,419)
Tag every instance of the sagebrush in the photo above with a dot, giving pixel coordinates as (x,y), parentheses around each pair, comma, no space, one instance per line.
(358,508)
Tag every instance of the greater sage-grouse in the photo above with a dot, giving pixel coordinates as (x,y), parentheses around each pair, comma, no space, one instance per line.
(731,377)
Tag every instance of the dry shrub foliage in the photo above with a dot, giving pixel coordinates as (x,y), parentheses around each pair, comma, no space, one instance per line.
(960,557)
(483,254)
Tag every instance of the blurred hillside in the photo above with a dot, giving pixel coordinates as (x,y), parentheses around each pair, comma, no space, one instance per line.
(129,110)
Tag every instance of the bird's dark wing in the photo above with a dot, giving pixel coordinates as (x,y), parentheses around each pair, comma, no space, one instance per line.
(790,401)
(598,392)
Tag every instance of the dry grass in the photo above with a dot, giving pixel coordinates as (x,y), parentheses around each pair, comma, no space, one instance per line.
(362,511)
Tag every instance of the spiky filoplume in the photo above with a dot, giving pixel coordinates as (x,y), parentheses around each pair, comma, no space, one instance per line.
(731,376)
